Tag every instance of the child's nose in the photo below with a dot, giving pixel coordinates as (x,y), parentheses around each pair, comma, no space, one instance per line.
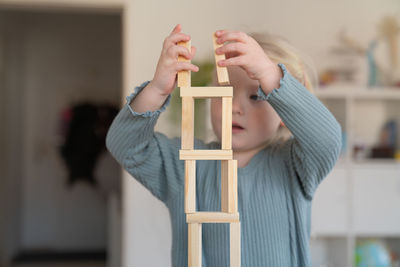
(237,107)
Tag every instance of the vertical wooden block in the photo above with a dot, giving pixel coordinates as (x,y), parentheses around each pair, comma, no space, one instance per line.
(226,133)
(194,244)
(184,76)
(187,137)
(190,186)
(235,187)
(222,72)
(225,185)
(229,186)
(234,244)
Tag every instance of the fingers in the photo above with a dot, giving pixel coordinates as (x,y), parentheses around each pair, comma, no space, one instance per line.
(186,66)
(229,36)
(231,49)
(175,38)
(178,50)
(177,28)
(233,61)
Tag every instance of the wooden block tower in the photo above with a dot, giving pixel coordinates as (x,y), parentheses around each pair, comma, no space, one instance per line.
(229,207)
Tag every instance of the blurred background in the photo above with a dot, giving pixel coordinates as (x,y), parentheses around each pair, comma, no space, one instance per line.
(66,67)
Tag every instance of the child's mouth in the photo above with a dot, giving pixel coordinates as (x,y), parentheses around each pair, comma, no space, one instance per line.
(236,128)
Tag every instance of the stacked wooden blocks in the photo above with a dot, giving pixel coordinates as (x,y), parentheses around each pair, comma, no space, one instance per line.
(229,208)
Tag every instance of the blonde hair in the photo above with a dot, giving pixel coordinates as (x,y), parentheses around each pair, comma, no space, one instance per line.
(279,50)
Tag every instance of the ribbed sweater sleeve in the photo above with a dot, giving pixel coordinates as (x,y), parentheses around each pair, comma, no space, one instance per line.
(314,150)
(149,157)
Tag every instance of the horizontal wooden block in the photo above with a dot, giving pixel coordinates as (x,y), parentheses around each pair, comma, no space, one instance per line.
(207,92)
(204,154)
(212,217)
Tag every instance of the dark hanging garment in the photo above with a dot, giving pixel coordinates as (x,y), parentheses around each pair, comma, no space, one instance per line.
(86,127)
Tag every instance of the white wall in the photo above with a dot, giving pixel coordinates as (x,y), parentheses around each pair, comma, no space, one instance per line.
(311,25)
(64,59)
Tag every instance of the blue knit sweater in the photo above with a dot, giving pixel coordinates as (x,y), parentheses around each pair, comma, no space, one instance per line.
(274,190)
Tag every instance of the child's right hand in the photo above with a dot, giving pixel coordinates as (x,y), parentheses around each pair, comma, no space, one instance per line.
(165,76)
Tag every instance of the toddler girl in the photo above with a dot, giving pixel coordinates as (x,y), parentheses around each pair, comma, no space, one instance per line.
(277,176)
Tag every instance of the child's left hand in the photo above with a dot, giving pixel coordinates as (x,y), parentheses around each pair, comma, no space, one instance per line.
(243,51)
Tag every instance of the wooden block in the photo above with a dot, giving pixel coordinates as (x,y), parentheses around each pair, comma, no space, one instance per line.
(203,154)
(229,186)
(207,92)
(235,244)
(235,186)
(190,186)
(194,244)
(222,72)
(187,136)
(226,130)
(212,217)
(184,76)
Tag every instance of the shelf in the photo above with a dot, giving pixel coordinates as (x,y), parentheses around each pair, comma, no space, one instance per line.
(384,93)
(376,163)
(343,162)
(377,235)
(360,197)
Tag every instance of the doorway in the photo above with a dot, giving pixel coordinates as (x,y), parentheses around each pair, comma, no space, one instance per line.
(51,63)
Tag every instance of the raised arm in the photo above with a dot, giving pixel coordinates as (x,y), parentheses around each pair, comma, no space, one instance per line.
(151,157)
(147,156)
(313,151)
(317,135)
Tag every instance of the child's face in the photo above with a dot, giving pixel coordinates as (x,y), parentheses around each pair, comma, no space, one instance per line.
(254,122)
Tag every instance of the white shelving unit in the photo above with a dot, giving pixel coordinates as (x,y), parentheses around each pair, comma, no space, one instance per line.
(360,198)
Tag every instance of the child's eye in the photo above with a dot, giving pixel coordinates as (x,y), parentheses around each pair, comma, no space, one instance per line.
(254,97)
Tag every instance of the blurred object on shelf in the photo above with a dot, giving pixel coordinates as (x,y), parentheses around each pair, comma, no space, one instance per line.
(327,77)
(360,151)
(372,253)
(382,152)
(389,134)
(372,66)
(356,63)
(389,31)
(387,141)
(347,64)
(397,155)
